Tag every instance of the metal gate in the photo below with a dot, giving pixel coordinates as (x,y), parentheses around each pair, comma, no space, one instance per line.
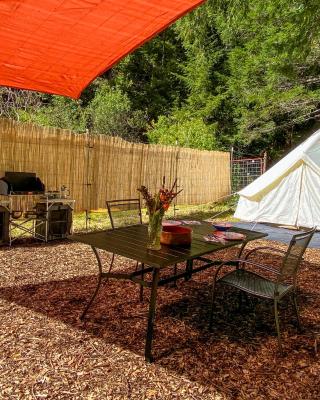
(246,170)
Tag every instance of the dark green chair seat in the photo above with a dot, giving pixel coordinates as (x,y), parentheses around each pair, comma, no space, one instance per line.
(262,286)
(254,284)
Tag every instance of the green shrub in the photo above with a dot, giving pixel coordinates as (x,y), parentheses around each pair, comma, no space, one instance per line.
(185,130)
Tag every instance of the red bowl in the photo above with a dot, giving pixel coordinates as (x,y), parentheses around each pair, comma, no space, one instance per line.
(176,236)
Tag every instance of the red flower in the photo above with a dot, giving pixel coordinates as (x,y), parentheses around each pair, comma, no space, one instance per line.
(161,200)
(165,206)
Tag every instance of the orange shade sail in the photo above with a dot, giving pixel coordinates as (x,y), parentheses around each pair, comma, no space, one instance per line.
(60,46)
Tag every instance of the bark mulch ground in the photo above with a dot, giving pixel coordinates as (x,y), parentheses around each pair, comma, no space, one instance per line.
(47,353)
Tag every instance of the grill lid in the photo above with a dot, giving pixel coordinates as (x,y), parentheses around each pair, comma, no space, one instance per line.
(21,183)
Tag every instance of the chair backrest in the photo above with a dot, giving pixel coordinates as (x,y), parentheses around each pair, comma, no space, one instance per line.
(292,259)
(124,212)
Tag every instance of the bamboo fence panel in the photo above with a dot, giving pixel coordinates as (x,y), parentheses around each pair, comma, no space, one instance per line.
(97,168)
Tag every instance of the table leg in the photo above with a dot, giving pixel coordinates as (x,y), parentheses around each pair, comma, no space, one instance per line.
(151,316)
(189,266)
(174,274)
(98,283)
(141,286)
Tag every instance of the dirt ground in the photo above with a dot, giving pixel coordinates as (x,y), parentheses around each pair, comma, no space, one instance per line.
(47,353)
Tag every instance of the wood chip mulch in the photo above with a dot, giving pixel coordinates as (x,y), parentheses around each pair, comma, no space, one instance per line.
(47,353)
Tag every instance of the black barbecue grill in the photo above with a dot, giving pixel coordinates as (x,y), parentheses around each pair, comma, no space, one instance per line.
(46,216)
(21,183)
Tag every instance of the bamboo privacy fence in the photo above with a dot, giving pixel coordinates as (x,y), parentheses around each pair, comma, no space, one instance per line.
(97,168)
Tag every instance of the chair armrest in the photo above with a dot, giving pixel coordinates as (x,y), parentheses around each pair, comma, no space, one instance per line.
(264,248)
(262,266)
(241,261)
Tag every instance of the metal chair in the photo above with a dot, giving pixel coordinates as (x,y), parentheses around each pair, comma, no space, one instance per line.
(121,213)
(264,287)
(125,212)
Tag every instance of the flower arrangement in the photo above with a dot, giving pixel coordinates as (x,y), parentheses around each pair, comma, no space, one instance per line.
(157,204)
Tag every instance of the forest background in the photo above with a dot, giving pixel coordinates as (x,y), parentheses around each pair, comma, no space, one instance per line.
(242,73)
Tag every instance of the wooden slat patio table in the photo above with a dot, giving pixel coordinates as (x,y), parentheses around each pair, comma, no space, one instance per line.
(131,242)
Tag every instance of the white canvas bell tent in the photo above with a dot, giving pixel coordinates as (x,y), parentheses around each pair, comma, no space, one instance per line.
(289,192)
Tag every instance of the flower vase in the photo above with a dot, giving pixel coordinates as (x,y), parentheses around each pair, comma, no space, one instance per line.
(154,230)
